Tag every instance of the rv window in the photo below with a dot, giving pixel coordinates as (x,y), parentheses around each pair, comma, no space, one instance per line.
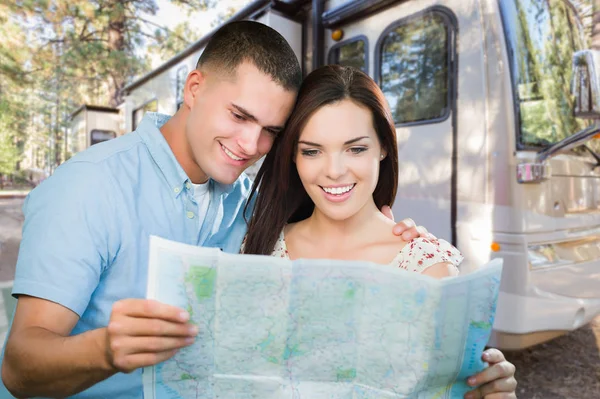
(414,68)
(98,136)
(352,52)
(180,83)
(138,114)
(542,37)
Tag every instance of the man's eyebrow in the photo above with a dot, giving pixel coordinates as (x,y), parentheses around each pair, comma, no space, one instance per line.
(253,118)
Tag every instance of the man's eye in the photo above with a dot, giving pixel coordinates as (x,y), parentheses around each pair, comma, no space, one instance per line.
(238,116)
(310,153)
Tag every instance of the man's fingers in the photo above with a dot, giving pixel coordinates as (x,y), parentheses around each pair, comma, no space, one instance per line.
(151,309)
(129,326)
(129,363)
(403,226)
(127,346)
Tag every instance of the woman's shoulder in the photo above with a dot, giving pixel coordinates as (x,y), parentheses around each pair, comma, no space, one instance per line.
(421,253)
(280,249)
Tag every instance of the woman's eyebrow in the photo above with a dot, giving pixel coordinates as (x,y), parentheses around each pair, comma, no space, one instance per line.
(309,143)
(352,141)
(355,140)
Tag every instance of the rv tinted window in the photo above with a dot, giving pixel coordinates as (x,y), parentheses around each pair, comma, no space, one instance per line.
(542,37)
(138,114)
(413,68)
(350,53)
(98,136)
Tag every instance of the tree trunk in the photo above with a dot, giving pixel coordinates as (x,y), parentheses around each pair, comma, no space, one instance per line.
(116,43)
(596,25)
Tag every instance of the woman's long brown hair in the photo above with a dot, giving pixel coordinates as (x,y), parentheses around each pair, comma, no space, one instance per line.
(277,192)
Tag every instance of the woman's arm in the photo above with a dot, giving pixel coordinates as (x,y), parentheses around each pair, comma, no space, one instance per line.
(441,270)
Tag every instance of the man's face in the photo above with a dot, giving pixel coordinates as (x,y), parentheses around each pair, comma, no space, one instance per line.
(234,119)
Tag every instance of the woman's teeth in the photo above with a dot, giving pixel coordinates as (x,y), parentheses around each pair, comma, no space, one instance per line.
(231,155)
(338,190)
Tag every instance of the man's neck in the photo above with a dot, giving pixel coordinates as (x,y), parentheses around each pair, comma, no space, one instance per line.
(174,133)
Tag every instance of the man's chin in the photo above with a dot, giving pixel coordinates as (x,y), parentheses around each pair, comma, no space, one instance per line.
(226,178)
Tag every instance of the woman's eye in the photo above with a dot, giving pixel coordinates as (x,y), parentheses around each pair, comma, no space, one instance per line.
(310,153)
(358,150)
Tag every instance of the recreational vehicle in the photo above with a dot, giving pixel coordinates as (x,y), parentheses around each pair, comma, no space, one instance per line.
(89,125)
(494,103)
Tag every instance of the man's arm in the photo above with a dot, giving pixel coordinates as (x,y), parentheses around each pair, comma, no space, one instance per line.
(41,359)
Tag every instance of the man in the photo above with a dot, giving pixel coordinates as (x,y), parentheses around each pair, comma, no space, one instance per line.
(80,327)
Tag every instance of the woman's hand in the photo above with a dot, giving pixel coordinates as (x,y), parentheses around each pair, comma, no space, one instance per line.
(495,382)
(406,228)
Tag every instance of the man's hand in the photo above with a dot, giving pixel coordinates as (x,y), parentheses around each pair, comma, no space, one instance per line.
(495,382)
(144,332)
(406,228)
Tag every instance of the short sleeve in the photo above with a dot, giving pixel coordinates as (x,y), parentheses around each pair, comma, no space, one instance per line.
(421,253)
(69,236)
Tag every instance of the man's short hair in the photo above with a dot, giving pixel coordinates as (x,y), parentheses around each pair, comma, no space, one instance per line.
(241,41)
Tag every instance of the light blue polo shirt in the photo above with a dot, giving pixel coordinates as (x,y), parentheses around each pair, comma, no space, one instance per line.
(87,227)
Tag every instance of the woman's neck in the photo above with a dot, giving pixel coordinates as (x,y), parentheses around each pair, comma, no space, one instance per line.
(343,232)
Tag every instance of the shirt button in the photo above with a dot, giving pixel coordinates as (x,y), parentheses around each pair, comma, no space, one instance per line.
(177,190)
(190,214)
(188,185)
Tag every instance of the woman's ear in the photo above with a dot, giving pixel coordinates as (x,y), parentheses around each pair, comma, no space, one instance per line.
(383,155)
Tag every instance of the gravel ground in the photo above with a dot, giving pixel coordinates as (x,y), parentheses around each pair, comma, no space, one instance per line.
(565,368)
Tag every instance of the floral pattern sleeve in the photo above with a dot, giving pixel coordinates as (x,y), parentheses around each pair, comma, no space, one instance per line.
(421,253)
(280,250)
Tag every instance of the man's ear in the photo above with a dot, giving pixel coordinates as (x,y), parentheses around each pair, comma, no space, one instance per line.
(194,82)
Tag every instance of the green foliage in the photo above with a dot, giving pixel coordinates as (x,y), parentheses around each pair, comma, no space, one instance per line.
(9,142)
(58,54)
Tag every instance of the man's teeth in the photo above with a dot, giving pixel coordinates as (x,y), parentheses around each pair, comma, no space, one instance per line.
(338,190)
(230,154)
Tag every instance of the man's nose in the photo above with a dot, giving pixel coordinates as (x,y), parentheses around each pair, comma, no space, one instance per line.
(248,140)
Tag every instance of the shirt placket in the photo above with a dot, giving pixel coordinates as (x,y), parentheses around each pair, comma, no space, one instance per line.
(192,221)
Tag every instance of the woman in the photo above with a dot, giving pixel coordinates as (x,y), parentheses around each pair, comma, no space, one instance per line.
(330,172)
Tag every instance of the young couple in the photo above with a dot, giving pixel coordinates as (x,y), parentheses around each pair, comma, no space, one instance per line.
(81,327)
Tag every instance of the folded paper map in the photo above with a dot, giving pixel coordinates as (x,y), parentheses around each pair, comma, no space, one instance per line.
(272,328)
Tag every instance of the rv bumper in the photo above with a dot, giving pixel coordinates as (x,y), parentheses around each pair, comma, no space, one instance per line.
(523,321)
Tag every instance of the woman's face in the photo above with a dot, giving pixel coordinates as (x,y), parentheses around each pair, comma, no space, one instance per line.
(338,159)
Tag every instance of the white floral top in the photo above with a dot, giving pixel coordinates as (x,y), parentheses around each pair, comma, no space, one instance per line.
(416,256)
